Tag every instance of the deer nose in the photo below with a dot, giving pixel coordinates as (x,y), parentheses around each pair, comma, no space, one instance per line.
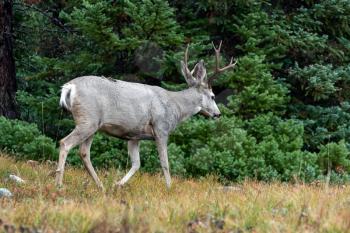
(217,115)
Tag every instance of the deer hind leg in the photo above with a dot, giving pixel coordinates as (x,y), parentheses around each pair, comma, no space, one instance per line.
(163,157)
(85,156)
(133,150)
(77,136)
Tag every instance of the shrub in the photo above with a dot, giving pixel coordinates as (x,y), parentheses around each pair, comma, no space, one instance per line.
(257,91)
(25,140)
(334,156)
(324,124)
(263,148)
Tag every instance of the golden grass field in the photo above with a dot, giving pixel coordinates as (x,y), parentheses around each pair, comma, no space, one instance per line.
(145,205)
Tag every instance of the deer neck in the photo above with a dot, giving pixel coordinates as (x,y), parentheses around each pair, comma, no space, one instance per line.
(187,103)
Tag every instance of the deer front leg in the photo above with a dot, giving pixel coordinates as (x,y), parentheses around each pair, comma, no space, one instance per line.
(163,157)
(85,156)
(133,150)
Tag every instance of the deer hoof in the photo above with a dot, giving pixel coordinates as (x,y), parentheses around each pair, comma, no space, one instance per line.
(59,186)
(102,189)
(118,185)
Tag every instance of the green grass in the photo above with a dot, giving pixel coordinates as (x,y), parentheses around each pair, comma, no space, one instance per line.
(145,205)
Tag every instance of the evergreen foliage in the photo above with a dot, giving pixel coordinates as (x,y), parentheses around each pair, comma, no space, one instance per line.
(288,113)
(25,140)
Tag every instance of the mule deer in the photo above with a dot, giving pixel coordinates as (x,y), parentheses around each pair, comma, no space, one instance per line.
(133,112)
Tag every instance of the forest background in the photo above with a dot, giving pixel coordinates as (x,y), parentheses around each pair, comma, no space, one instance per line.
(285,106)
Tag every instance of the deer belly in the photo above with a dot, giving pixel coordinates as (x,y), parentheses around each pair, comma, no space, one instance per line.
(144,133)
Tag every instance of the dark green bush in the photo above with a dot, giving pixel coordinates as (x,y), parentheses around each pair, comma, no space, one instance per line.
(322,82)
(334,156)
(257,91)
(25,140)
(323,124)
(263,148)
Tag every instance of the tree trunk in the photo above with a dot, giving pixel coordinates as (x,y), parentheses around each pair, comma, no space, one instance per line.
(8,85)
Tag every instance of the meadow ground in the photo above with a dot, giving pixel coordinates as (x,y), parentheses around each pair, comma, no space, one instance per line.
(145,205)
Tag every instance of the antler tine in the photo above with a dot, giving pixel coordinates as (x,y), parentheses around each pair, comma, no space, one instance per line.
(186,71)
(186,55)
(217,63)
(217,56)
(219,48)
(230,65)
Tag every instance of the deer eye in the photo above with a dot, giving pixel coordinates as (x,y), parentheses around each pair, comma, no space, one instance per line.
(213,97)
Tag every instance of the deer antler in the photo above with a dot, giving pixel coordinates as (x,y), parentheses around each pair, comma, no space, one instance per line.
(186,71)
(185,61)
(186,56)
(217,60)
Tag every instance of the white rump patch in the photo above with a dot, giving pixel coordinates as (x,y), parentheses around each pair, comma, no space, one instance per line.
(67,95)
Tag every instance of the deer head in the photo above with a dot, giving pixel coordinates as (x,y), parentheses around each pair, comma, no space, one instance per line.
(197,78)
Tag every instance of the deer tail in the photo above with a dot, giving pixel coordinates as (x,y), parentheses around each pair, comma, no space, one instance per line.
(67,96)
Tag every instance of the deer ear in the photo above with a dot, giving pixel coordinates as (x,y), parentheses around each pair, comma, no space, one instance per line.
(199,71)
(187,74)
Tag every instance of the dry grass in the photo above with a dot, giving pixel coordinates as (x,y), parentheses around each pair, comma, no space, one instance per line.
(146,206)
